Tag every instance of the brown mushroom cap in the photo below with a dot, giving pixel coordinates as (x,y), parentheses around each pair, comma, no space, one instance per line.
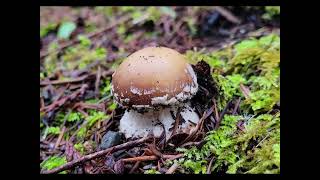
(153,76)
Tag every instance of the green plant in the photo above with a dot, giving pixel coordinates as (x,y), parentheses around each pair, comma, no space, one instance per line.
(112,106)
(271,11)
(74,116)
(53,130)
(53,162)
(106,87)
(65,30)
(75,57)
(151,171)
(80,147)
(46,29)
(94,116)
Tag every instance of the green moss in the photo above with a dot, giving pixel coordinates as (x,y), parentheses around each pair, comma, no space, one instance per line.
(151,171)
(93,118)
(75,57)
(112,106)
(271,11)
(46,29)
(74,116)
(106,87)
(53,162)
(53,130)
(254,63)
(80,147)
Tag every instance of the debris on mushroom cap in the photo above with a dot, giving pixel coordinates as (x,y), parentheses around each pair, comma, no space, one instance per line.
(154,76)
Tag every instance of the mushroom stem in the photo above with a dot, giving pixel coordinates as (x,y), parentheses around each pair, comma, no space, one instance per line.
(135,124)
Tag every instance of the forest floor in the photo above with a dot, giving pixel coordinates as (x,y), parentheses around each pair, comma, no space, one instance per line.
(235,52)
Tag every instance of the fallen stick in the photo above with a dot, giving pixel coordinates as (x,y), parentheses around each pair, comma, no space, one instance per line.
(140,158)
(173,157)
(245,91)
(222,114)
(173,168)
(236,106)
(228,15)
(81,78)
(205,115)
(60,137)
(209,167)
(136,165)
(192,143)
(151,158)
(88,157)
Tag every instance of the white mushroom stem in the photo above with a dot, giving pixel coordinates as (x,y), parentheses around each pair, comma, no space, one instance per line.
(135,125)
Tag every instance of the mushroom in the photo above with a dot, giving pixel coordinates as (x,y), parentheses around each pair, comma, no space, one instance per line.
(152,84)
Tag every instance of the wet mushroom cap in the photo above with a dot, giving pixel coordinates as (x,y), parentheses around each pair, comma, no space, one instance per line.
(153,76)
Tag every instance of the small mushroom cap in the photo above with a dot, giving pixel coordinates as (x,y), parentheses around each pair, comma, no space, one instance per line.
(153,76)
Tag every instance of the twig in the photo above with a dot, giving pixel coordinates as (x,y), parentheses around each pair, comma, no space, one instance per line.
(158,165)
(41,102)
(154,150)
(136,165)
(72,127)
(96,155)
(83,105)
(176,124)
(81,78)
(206,114)
(210,164)
(222,114)
(227,14)
(84,123)
(215,109)
(140,158)
(173,157)
(149,158)
(62,101)
(236,106)
(245,91)
(263,140)
(91,35)
(192,144)
(97,92)
(60,137)
(173,168)
(104,98)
